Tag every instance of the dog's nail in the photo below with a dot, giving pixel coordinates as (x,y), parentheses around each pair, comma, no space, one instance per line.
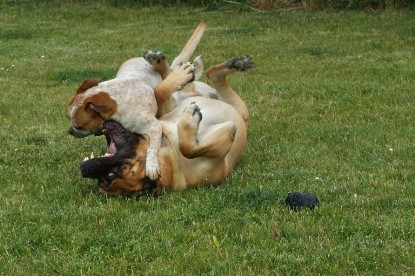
(92,155)
(86,159)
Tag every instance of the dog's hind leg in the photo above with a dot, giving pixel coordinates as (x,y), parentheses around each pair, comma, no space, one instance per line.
(217,74)
(214,142)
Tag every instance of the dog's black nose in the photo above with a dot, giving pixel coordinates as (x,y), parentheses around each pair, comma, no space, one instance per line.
(92,168)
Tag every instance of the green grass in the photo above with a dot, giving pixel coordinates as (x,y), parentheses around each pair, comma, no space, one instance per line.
(332,113)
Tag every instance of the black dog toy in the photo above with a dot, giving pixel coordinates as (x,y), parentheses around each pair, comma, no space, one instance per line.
(297,200)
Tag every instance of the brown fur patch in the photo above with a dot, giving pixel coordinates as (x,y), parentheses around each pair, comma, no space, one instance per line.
(103,104)
(132,174)
(95,110)
(89,83)
(135,171)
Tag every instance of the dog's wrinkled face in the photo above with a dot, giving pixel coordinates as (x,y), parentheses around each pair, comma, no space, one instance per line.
(88,111)
(122,170)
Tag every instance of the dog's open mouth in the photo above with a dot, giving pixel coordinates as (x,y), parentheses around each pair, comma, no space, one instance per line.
(120,144)
(112,148)
(108,168)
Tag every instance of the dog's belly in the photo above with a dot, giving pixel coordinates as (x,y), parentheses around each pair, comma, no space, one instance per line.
(204,170)
(213,112)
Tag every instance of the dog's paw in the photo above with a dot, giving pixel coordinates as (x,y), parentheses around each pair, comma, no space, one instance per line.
(182,75)
(194,111)
(152,170)
(192,115)
(241,63)
(154,57)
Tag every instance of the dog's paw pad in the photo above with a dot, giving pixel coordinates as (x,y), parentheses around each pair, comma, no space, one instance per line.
(193,112)
(241,63)
(197,115)
(154,57)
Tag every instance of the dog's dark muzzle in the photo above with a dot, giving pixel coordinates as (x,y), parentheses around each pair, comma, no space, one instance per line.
(81,134)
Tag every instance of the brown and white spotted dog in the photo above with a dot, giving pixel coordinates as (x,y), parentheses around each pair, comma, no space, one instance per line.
(203,139)
(130,99)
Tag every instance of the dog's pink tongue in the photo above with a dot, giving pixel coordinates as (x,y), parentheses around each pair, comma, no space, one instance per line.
(112,148)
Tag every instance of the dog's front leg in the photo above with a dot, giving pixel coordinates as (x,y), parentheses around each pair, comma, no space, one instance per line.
(175,81)
(152,165)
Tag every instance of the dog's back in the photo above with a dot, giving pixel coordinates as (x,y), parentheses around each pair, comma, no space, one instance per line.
(139,68)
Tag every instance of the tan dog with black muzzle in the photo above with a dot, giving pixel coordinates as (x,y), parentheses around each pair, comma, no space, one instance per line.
(203,139)
(130,99)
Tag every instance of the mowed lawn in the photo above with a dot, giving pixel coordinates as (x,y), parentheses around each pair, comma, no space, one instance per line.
(332,113)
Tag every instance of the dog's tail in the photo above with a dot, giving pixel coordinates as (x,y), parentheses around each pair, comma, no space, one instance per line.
(190,46)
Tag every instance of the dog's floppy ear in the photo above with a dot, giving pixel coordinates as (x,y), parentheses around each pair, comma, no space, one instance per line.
(86,85)
(103,104)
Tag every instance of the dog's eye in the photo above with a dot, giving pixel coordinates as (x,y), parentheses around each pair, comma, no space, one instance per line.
(111,176)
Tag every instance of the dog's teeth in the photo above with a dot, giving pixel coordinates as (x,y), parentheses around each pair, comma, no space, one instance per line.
(86,158)
(92,155)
